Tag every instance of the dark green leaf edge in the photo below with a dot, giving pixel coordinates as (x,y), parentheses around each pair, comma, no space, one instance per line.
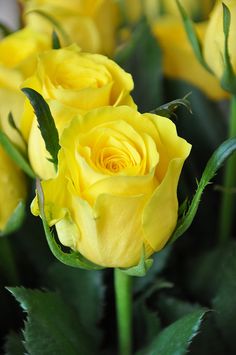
(73,259)
(192,36)
(16,219)
(221,154)
(15,154)
(142,268)
(55,40)
(167,110)
(5,30)
(46,123)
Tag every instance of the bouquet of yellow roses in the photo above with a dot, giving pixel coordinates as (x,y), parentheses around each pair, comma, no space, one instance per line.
(114,118)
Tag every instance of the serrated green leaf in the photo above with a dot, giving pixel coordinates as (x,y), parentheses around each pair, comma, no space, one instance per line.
(46,123)
(192,36)
(55,41)
(176,338)
(15,154)
(222,153)
(142,58)
(80,288)
(14,344)
(140,269)
(73,259)
(168,109)
(16,219)
(51,326)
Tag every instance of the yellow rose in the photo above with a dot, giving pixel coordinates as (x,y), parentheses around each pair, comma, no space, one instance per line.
(115,190)
(17,61)
(72,82)
(12,188)
(91,24)
(179,60)
(214,39)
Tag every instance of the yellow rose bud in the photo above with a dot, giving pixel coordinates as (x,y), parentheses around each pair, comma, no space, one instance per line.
(17,61)
(72,82)
(214,39)
(12,188)
(116,188)
(198,10)
(91,24)
(179,60)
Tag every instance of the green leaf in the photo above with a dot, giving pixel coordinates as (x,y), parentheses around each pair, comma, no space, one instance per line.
(55,41)
(221,154)
(51,326)
(224,303)
(80,288)
(168,109)
(14,126)
(16,219)
(228,80)
(176,338)
(73,259)
(15,154)
(192,36)
(142,58)
(140,269)
(14,344)
(46,123)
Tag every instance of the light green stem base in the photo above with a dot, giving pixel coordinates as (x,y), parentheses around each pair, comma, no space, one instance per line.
(228,199)
(123,293)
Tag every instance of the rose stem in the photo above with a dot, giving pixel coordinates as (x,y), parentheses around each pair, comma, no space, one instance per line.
(123,294)
(228,199)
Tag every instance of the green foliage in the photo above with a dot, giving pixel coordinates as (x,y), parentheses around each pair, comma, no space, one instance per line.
(51,326)
(84,291)
(46,123)
(223,152)
(15,154)
(176,338)
(168,109)
(14,344)
(142,58)
(140,269)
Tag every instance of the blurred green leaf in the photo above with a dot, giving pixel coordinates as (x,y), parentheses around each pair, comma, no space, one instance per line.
(222,153)
(46,123)
(176,338)
(141,57)
(14,344)
(5,30)
(16,219)
(82,289)
(15,154)
(51,326)
(55,40)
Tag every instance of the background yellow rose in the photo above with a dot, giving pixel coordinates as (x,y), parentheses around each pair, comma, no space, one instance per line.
(214,39)
(115,191)
(17,61)
(72,82)
(12,187)
(91,24)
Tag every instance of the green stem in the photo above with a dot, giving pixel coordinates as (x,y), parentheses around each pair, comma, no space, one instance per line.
(123,293)
(8,264)
(228,198)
